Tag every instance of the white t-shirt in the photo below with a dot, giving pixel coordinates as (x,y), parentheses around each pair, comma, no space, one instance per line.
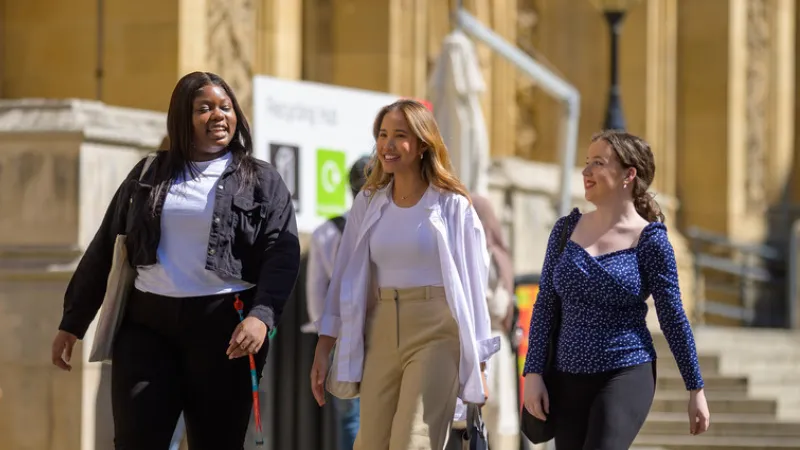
(403,248)
(185,226)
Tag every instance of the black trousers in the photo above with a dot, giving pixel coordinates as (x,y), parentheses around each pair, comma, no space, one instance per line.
(603,411)
(169,356)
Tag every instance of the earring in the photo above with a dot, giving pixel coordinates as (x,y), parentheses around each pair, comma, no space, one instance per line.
(624,185)
(421,155)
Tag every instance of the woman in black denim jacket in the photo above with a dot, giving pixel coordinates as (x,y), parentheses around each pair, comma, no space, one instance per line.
(207,222)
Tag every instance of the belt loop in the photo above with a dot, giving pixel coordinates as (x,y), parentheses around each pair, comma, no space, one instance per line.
(396,294)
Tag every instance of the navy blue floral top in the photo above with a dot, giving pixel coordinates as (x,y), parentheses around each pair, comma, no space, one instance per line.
(603,306)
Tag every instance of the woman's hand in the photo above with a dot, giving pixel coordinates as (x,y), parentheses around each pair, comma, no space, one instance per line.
(319,370)
(536,400)
(61,352)
(248,337)
(699,417)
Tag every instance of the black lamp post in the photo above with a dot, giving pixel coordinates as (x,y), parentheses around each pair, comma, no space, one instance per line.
(614,12)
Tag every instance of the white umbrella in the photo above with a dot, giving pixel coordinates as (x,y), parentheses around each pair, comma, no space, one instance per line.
(455,88)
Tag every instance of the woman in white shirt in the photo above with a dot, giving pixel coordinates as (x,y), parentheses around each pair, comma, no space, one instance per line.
(414,235)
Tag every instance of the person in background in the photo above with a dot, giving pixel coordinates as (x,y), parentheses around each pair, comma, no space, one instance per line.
(321,256)
(414,235)
(501,412)
(206,223)
(610,261)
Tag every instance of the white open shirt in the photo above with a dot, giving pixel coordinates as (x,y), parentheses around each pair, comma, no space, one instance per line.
(465,264)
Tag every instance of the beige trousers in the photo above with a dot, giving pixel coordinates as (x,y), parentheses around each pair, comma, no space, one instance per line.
(410,381)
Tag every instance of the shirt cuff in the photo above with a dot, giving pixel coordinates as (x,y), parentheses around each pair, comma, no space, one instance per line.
(694,384)
(487,348)
(329,326)
(264,314)
(72,327)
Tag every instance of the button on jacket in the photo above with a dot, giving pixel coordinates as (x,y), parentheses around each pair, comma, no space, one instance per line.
(253,237)
(464,259)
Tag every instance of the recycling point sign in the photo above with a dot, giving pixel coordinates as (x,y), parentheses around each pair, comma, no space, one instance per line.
(312,133)
(332,181)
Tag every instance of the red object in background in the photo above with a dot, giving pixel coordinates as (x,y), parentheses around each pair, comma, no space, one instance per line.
(427,104)
(526,297)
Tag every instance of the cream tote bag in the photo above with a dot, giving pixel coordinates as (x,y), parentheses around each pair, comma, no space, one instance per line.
(340,389)
(118,288)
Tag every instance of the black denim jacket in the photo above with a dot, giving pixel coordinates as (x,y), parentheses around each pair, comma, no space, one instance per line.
(253,238)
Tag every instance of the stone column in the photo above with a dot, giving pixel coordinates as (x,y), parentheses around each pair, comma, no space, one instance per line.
(279,38)
(62,162)
(660,126)
(703,103)
(192,43)
(231,44)
(740,113)
(503,118)
(527,21)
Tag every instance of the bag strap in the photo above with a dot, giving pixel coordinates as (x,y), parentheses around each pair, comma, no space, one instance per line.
(564,236)
(147,163)
(475,424)
(561,244)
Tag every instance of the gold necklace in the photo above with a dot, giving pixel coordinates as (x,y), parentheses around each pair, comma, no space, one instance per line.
(403,197)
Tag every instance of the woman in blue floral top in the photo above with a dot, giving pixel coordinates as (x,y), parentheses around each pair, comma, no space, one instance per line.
(612,260)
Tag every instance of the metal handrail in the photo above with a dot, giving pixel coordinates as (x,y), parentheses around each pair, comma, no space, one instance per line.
(551,83)
(751,264)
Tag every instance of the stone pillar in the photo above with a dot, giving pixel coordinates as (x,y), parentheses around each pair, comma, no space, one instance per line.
(703,103)
(279,38)
(660,121)
(231,45)
(781,119)
(740,113)
(2,56)
(192,29)
(360,36)
(317,41)
(62,162)
(527,21)
(499,103)
(503,118)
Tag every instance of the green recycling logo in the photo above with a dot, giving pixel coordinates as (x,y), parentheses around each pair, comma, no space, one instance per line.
(331,182)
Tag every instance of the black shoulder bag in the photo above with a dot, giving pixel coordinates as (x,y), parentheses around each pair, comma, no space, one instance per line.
(339,221)
(535,430)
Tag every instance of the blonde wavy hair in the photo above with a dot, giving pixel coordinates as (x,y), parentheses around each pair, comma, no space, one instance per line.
(436,167)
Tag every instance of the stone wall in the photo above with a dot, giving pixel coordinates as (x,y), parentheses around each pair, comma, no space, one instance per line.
(61,162)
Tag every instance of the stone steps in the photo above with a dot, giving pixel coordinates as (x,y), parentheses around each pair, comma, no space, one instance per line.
(752,386)
(672,381)
(708,442)
(746,425)
(709,363)
(747,342)
(718,403)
